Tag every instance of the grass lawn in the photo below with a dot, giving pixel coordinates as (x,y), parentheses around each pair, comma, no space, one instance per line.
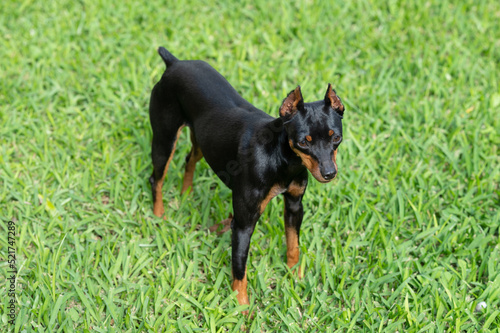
(406,239)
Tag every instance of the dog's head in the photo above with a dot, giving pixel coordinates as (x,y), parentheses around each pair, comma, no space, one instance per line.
(314,131)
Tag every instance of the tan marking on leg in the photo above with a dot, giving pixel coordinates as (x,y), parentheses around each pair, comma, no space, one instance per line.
(158,209)
(296,189)
(274,191)
(194,157)
(241,287)
(188,175)
(292,248)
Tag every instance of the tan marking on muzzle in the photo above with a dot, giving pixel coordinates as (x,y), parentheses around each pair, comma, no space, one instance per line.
(310,163)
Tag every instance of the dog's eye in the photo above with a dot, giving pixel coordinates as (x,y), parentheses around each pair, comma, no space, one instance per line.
(302,144)
(337,139)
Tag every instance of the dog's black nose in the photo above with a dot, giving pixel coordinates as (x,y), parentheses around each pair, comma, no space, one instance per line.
(330,174)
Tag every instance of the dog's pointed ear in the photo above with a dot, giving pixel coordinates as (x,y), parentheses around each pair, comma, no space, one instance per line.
(331,99)
(292,103)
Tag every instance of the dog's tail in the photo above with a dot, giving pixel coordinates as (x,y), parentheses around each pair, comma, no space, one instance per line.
(167,57)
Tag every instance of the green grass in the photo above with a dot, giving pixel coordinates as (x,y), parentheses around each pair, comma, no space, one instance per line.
(405,240)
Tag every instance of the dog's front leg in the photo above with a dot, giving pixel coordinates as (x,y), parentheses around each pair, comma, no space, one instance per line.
(243,225)
(293,215)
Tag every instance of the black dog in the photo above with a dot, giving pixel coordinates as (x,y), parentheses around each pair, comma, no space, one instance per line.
(255,155)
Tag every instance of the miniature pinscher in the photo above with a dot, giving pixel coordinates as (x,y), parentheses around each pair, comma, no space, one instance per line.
(257,156)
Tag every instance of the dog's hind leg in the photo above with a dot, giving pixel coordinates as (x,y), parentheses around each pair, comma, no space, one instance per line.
(166,122)
(191,159)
